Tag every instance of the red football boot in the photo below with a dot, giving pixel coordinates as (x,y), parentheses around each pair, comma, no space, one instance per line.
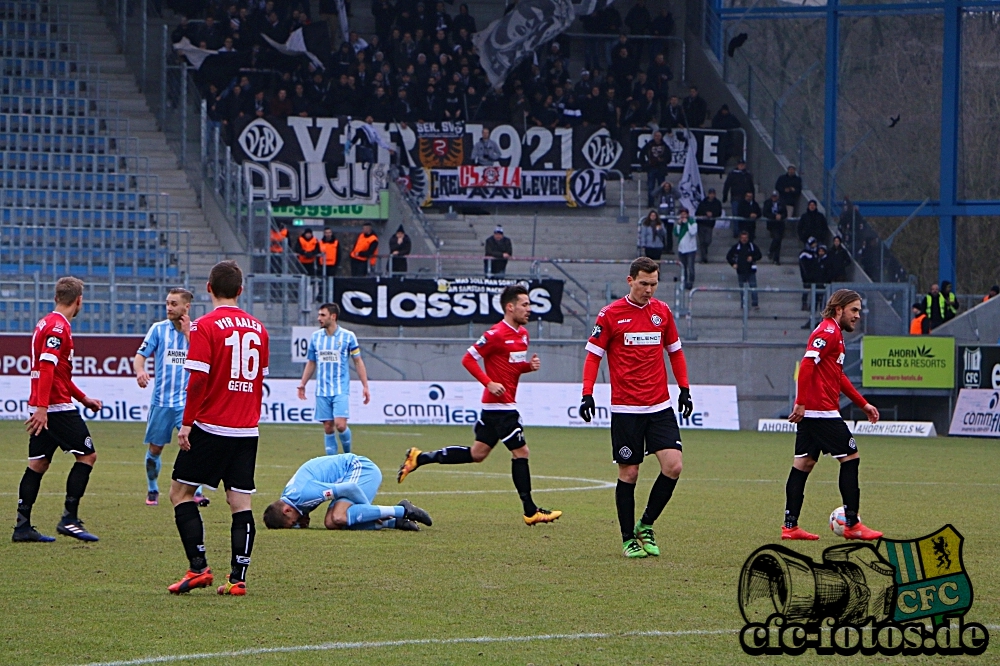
(798,534)
(861,533)
(191,581)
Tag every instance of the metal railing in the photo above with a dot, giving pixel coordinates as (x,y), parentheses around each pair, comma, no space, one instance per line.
(814,294)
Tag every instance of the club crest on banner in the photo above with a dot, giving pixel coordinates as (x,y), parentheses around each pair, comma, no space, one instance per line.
(260,141)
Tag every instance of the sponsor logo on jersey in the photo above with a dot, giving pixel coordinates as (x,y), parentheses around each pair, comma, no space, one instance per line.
(829,329)
(657,320)
(176,356)
(481,342)
(642,339)
(840,359)
(518,357)
(327,494)
(624,321)
(53,342)
(328,355)
(596,333)
(819,343)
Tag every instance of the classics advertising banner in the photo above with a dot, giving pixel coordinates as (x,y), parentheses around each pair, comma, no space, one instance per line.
(918,361)
(979,366)
(708,148)
(398,301)
(394,403)
(977,413)
(93,355)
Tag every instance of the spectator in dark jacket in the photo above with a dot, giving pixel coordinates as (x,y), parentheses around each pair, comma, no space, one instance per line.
(695,109)
(789,187)
(652,236)
(709,210)
(658,76)
(666,203)
(738,183)
(951,301)
(813,224)
(838,261)
(655,158)
(748,212)
(399,247)
(774,213)
(724,120)
(672,115)
(743,257)
(500,249)
(809,270)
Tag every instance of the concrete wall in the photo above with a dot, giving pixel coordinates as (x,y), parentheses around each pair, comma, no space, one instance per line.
(761,373)
(980,324)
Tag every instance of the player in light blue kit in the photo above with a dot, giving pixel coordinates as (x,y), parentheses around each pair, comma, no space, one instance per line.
(167,342)
(329,350)
(349,483)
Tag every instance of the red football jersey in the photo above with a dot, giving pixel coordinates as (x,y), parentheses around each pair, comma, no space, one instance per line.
(52,342)
(634,337)
(232,348)
(819,387)
(504,351)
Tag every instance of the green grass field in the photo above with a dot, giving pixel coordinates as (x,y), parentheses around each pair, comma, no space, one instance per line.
(479,571)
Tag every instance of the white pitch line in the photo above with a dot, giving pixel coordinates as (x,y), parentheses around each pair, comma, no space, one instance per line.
(360,645)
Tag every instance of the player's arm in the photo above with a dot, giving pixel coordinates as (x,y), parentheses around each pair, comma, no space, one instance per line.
(597,345)
(470,361)
(82,398)
(146,349)
(847,388)
(807,369)
(307,371)
(678,365)
(359,366)
(198,365)
(39,420)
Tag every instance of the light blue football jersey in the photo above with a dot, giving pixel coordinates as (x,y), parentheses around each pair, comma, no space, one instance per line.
(314,481)
(169,349)
(331,353)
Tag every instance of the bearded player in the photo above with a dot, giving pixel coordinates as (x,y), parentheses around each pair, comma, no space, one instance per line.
(820,428)
(504,351)
(55,421)
(227,362)
(633,332)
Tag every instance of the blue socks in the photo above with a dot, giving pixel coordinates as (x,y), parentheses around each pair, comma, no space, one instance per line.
(153,465)
(330,441)
(345,440)
(359,514)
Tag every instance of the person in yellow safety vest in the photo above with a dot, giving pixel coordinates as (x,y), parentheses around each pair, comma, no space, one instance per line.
(934,306)
(329,246)
(920,325)
(307,247)
(951,306)
(278,235)
(365,252)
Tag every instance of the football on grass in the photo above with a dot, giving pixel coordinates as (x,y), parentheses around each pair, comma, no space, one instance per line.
(838,521)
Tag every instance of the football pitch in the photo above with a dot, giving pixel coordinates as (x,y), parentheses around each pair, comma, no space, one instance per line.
(479,586)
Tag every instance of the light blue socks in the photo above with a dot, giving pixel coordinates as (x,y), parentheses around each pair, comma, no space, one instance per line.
(153,465)
(345,440)
(330,441)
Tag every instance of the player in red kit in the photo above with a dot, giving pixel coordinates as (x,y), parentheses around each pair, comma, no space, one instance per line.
(55,421)
(227,361)
(820,428)
(634,332)
(504,351)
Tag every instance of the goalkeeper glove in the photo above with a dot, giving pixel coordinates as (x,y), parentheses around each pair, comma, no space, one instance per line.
(684,403)
(587,408)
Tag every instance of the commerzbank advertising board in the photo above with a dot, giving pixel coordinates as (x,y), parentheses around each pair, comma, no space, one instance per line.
(918,361)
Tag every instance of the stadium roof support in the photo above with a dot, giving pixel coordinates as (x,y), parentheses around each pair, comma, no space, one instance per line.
(948,206)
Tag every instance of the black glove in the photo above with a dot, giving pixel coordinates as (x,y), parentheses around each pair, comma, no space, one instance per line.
(587,408)
(684,403)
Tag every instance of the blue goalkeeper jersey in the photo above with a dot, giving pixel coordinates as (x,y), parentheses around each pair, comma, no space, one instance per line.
(314,481)
(330,353)
(169,349)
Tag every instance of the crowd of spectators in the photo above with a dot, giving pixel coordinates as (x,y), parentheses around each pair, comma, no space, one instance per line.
(421,65)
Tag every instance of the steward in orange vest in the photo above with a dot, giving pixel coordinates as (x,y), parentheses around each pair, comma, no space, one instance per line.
(920,325)
(307,247)
(365,252)
(278,235)
(329,246)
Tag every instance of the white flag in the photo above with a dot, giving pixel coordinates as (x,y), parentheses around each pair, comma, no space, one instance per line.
(295,46)
(690,188)
(196,56)
(342,15)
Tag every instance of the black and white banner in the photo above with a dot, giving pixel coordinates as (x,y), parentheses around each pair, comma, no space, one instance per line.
(514,37)
(979,366)
(404,302)
(708,148)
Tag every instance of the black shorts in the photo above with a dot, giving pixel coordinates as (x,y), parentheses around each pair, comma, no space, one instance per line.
(67,431)
(214,458)
(814,437)
(633,434)
(500,425)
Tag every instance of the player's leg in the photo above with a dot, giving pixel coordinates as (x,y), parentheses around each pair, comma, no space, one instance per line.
(324,414)
(341,412)
(240,486)
(486,435)
(159,429)
(807,452)
(153,465)
(202,464)
(663,439)
(41,448)
(843,447)
(627,450)
(74,437)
